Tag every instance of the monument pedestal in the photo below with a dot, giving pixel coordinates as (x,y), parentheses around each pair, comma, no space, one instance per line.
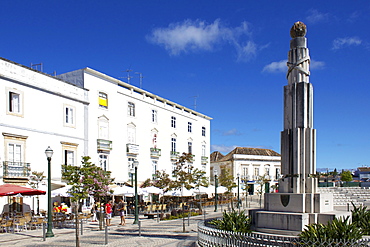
(289,213)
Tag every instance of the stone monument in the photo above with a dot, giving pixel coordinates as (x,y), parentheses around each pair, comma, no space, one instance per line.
(297,203)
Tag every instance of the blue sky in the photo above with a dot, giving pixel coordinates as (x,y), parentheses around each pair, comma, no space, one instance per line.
(231,55)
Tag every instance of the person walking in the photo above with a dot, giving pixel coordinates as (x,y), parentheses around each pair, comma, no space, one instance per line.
(122,208)
(108,212)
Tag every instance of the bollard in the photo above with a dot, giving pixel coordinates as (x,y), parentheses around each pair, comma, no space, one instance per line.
(139,228)
(43,232)
(82,232)
(106,235)
(157,216)
(348,207)
(204,213)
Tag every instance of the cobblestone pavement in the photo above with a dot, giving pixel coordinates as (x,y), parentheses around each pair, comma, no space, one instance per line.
(153,233)
(164,233)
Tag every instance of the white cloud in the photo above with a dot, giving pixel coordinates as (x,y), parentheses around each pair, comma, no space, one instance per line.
(315,16)
(276,67)
(232,132)
(279,67)
(222,148)
(192,36)
(348,41)
(317,64)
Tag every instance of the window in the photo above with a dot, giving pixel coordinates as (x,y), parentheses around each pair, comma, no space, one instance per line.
(154,116)
(131,109)
(203,150)
(69,157)
(245,172)
(131,168)
(173,122)
(14,160)
(154,168)
(267,171)
(14,153)
(190,147)
(174,165)
(189,127)
(103,125)
(69,116)
(14,102)
(256,173)
(204,167)
(103,100)
(277,173)
(203,131)
(173,144)
(103,161)
(131,133)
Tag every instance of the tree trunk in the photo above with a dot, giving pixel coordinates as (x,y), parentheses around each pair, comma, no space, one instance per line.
(76,222)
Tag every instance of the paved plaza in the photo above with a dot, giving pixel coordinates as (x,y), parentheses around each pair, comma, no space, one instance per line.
(153,233)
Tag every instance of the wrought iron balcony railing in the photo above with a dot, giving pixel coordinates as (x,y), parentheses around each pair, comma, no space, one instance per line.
(155,152)
(204,159)
(174,155)
(16,169)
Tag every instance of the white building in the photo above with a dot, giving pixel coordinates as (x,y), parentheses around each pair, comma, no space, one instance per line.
(252,165)
(128,124)
(87,113)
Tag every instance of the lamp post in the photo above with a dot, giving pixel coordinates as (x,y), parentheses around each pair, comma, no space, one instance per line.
(238,191)
(216,184)
(49,233)
(136,221)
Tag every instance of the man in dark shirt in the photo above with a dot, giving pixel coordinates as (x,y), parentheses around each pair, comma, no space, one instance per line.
(122,208)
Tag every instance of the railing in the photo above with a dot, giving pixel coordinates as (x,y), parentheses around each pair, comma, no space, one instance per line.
(204,159)
(155,152)
(16,169)
(174,155)
(208,236)
(104,144)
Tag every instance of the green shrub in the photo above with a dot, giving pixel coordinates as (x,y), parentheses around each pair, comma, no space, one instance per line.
(336,229)
(233,221)
(361,217)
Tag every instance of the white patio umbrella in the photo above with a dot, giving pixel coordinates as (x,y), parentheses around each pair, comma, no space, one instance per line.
(152,190)
(179,193)
(123,190)
(61,191)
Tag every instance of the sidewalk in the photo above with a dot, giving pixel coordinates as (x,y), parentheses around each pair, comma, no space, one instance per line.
(164,233)
(167,233)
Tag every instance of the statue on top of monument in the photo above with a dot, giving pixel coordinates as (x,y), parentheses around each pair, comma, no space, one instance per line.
(299,29)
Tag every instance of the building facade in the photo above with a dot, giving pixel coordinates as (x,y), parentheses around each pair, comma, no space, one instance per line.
(128,124)
(253,166)
(87,113)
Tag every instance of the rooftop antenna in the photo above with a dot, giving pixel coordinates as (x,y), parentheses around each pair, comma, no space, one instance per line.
(36,66)
(128,75)
(141,78)
(195,101)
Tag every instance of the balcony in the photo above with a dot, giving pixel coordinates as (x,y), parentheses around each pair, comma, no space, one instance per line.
(174,155)
(192,157)
(104,145)
(132,148)
(204,160)
(16,169)
(155,152)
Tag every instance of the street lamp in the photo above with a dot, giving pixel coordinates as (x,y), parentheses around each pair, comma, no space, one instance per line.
(49,233)
(216,184)
(136,221)
(238,191)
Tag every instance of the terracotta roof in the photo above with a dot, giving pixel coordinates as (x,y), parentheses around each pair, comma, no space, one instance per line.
(248,151)
(216,155)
